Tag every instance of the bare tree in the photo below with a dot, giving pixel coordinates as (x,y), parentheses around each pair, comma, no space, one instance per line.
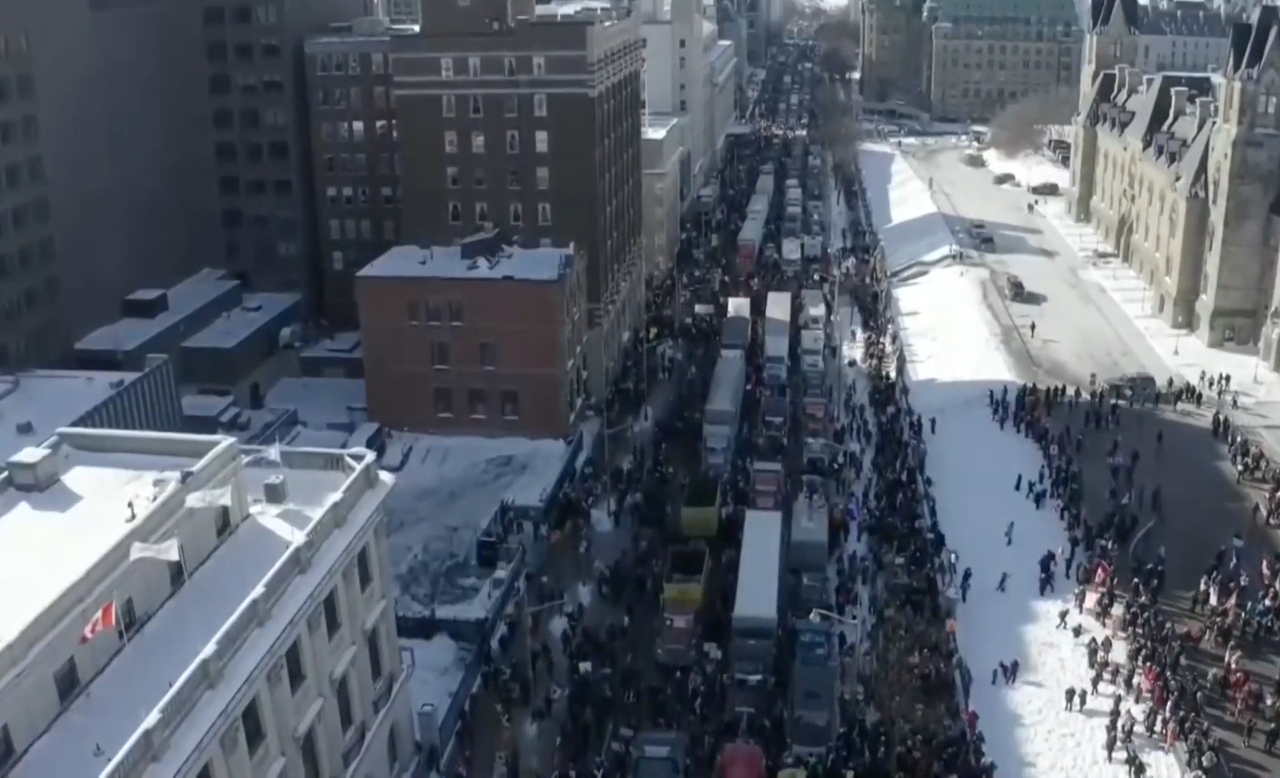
(1024,126)
(838,42)
(838,125)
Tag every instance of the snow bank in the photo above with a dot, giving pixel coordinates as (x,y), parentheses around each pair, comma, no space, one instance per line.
(954,356)
(1028,169)
(911,228)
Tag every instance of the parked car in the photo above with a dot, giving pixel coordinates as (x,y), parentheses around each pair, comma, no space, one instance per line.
(1044,188)
(1014,287)
(1000,179)
(986,243)
(977,229)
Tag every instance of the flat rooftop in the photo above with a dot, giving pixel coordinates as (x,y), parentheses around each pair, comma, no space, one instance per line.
(72,525)
(342,345)
(447,490)
(185,297)
(446,262)
(50,399)
(656,126)
(254,312)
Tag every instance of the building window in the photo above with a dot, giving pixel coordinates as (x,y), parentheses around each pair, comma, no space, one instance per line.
(682,63)
(254,734)
(509,399)
(509,67)
(440,355)
(389,231)
(343,693)
(682,43)
(388,195)
(540,141)
(544,213)
(516,215)
(455,312)
(544,177)
(476,402)
(66,681)
(374,646)
(539,104)
(477,142)
(177,575)
(443,398)
(452,177)
(446,67)
(378,62)
(477,106)
(337,260)
(513,141)
(332,621)
(510,105)
(310,755)
(450,142)
(222,522)
(513,178)
(364,572)
(448,105)
(539,66)
(489,356)
(293,666)
(473,67)
(435,314)
(478,179)
(455,213)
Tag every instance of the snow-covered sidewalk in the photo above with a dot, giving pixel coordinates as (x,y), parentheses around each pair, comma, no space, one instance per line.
(954,357)
(1179,349)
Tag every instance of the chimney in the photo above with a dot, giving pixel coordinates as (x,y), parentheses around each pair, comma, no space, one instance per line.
(1122,83)
(1133,81)
(1204,112)
(1147,82)
(1178,106)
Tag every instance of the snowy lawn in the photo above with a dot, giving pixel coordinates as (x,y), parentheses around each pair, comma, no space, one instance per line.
(908,222)
(955,356)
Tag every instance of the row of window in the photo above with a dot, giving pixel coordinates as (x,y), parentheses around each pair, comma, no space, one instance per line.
(226,119)
(24,216)
(351,97)
(994,64)
(286,225)
(511,67)
(359,229)
(222,84)
(340,64)
(264,253)
(19,131)
(14,45)
(442,355)
(22,86)
(381,129)
(359,195)
(265,14)
(479,179)
(18,174)
(477,403)
(231,186)
(27,257)
(358,164)
(515,214)
(243,52)
(541,141)
(475,105)
(434,312)
(34,298)
(254,151)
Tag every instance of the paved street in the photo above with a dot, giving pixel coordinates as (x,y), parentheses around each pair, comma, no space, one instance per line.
(1081,331)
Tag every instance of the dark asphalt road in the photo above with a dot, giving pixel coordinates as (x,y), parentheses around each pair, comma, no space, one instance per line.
(1203,509)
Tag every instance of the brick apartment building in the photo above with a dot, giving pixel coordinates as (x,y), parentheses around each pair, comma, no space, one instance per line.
(477,338)
(501,114)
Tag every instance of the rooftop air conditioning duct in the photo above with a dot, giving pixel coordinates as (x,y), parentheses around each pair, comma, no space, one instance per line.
(33,469)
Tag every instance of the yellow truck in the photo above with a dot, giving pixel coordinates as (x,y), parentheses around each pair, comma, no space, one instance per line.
(683,586)
(700,508)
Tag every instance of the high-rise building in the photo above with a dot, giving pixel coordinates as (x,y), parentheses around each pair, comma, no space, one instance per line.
(528,118)
(197,609)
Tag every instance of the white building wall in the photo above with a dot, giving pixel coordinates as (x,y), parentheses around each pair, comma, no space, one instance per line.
(676,78)
(1160,53)
(659,70)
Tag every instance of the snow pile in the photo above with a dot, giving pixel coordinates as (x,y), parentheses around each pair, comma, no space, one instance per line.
(954,357)
(911,228)
(1028,169)
(444,497)
(438,666)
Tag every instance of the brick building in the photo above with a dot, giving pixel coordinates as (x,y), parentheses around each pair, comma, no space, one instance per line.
(478,338)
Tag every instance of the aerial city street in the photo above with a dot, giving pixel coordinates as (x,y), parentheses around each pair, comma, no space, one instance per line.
(644,388)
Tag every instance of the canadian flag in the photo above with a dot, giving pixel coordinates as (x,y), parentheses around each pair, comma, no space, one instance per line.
(104,619)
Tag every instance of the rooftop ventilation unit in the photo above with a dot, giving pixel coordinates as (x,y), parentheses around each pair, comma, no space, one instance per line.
(33,469)
(275,490)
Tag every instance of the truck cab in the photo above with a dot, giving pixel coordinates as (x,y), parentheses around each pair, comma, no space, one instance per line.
(740,760)
(700,508)
(660,755)
(813,718)
(768,485)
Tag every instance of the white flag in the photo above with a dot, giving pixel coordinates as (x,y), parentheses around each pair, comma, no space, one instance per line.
(169,551)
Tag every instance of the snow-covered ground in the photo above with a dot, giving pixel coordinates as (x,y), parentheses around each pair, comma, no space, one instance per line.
(954,356)
(439,665)
(910,226)
(445,495)
(1180,350)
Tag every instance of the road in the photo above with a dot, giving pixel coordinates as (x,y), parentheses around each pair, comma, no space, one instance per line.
(1080,331)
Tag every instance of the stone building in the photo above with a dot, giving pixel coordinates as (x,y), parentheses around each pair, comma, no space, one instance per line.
(1181,172)
(984,54)
(894,37)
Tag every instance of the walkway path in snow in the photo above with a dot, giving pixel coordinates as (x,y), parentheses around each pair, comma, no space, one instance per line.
(954,356)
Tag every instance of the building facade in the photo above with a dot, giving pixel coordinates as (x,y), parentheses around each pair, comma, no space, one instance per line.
(1183,36)
(475,339)
(663,152)
(302,633)
(1187,202)
(985,56)
(894,52)
(528,118)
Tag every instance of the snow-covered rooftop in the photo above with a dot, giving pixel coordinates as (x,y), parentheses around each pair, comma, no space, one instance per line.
(50,539)
(438,666)
(50,399)
(655,126)
(911,228)
(255,312)
(446,262)
(342,345)
(184,298)
(445,495)
(321,403)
